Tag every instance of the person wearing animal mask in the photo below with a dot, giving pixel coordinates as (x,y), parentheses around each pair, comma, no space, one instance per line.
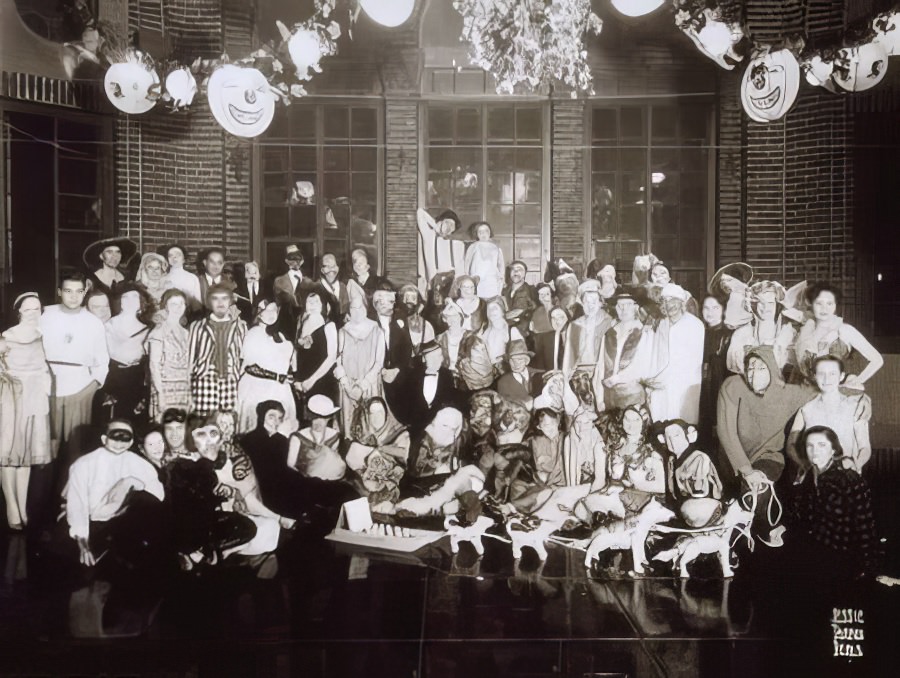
(692,481)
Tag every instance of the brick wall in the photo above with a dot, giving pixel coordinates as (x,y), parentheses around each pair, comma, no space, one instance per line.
(180,176)
(401,189)
(567,218)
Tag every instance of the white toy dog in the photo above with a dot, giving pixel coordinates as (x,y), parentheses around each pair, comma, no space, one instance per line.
(471,533)
(630,533)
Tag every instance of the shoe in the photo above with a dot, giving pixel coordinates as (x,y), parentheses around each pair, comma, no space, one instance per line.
(775,535)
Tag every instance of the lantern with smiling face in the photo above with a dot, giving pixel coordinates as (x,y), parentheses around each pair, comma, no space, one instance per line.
(241,100)
(770,85)
(857,69)
(132,84)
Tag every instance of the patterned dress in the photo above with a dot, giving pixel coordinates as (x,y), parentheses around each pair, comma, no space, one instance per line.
(174,368)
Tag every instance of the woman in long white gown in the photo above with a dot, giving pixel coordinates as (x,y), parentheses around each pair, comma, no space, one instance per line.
(268,361)
(360,358)
(484,259)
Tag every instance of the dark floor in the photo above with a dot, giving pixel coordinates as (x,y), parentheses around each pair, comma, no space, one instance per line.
(333,611)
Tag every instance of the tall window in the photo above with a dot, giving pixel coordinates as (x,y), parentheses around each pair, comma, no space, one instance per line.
(485,162)
(320,183)
(649,186)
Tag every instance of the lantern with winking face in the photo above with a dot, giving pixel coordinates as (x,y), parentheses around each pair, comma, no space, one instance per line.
(241,100)
(857,69)
(132,84)
(770,85)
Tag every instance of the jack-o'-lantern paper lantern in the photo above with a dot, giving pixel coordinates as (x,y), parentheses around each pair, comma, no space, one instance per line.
(818,72)
(770,85)
(132,85)
(887,32)
(241,100)
(717,39)
(182,87)
(857,69)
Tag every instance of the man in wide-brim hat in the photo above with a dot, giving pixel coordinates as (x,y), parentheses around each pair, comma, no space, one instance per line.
(113,256)
(522,383)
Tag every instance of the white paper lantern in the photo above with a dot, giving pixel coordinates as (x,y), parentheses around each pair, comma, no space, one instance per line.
(637,7)
(717,40)
(770,85)
(860,68)
(182,87)
(133,85)
(390,13)
(887,32)
(305,49)
(241,100)
(818,72)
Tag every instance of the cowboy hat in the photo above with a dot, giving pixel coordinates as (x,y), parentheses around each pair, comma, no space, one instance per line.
(321,405)
(92,252)
(738,270)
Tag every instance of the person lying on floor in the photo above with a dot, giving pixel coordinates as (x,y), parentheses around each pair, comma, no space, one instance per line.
(113,501)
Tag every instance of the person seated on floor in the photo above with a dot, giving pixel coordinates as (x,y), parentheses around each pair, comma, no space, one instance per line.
(847,413)
(435,452)
(753,413)
(378,452)
(584,453)
(694,487)
(544,471)
(502,451)
(313,451)
(174,423)
(282,488)
(830,516)
(113,502)
(155,450)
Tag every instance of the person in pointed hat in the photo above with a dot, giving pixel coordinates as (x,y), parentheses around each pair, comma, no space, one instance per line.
(113,255)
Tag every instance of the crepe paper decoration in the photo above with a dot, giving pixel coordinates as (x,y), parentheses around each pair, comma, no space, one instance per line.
(181,87)
(770,85)
(132,85)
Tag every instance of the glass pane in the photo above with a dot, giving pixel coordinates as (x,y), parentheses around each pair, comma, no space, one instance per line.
(303,121)
(278,129)
(664,220)
(501,123)
(469,82)
(468,124)
(633,126)
(440,158)
(303,158)
(528,124)
(362,228)
(78,140)
(665,188)
(303,221)
(530,190)
(528,220)
(632,222)
(337,122)
(467,189)
(275,196)
(693,189)
(603,205)
(501,159)
(78,176)
(303,193)
(337,158)
(71,245)
(439,189)
(666,249)
(364,123)
(693,220)
(632,159)
(364,187)
(529,251)
(665,123)
(664,159)
(692,251)
(500,217)
(603,159)
(632,189)
(338,220)
(275,221)
(274,159)
(440,124)
(78,212)
(364,158)
(337,185)
(500,187)
(604,126)
(529,159)
(693,122)
(694,160)
(506,244)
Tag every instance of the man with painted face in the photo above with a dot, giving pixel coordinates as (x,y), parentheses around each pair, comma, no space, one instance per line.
(411,306)
(519,295)
(113,501)
(754,410)
(215,346)
(293,287)
(337,289)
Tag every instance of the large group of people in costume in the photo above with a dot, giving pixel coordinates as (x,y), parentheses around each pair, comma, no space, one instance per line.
(201,416)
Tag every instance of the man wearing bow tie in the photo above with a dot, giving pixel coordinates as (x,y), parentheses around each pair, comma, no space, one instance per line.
(250,291)
(293,287)
(427,387)
(213,264)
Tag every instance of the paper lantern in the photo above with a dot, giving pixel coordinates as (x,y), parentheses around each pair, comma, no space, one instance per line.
(132,85)
(887,32)
(637,7)
(241,100)
(390,13)
(770,85)
(305,49)
(717,40)
(857,69)
(818,72)
(182,87)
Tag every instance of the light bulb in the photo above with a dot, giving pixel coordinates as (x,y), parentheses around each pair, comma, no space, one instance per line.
(390,13)
(305,50)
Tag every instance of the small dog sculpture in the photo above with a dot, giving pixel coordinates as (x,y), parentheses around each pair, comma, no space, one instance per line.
(470,533)
(630,533)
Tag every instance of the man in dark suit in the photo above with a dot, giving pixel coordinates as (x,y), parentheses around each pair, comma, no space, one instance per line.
(522,383)
(336,289)
(426,388)
(212,267)
(520,296)
(293,287)
(250,289)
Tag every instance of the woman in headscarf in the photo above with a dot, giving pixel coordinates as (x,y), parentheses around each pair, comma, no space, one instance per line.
(167,344)
(378,452)
(152,275)
(25,385)
(769,327)
(269,360)
(360,357)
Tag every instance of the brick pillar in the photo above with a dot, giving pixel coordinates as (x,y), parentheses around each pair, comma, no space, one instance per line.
(568,220)
(401,172)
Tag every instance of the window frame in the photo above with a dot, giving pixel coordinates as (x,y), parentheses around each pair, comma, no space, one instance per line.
(648,102)
(258,240)
(484,103)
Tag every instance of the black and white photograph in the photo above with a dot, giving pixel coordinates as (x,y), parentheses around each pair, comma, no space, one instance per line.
(449,338)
